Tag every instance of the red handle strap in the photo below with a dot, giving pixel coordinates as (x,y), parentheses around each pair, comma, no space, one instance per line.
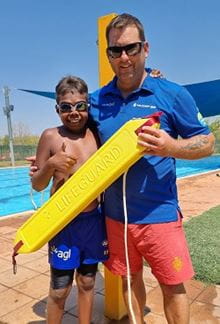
(151,120)
(16,248)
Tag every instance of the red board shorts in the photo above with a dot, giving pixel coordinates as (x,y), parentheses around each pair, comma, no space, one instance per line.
(163,246)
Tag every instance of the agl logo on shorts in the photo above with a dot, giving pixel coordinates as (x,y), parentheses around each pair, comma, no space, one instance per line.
(65,255)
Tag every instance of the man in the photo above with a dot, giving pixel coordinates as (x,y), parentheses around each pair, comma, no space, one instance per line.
(155,228)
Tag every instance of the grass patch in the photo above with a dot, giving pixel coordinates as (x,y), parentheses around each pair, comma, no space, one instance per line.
(203,233)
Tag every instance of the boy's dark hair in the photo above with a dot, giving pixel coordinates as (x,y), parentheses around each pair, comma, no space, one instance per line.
(122,21)
(71,84)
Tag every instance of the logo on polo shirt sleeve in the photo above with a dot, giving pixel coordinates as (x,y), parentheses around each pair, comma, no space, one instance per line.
(201,119)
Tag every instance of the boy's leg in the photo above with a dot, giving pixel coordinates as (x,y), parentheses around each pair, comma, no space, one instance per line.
(85,280)
(94,249)
(61,284)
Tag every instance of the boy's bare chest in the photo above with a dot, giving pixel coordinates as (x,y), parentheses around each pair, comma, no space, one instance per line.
(80,148)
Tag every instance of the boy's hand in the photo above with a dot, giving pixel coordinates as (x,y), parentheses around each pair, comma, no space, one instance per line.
(62,161)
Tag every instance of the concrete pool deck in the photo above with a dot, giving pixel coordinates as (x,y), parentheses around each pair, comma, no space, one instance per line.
(23,296)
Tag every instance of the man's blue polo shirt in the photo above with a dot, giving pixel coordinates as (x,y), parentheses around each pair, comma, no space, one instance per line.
(151,183)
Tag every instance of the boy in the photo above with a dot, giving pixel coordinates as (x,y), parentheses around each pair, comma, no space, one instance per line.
(82,243)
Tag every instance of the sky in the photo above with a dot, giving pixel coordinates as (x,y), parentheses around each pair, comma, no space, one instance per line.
(43,40)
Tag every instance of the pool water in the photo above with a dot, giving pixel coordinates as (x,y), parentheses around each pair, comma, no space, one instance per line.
(187,168)
(15,191)
(15,186)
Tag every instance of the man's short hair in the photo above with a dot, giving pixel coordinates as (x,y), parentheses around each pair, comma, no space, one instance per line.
(122,21)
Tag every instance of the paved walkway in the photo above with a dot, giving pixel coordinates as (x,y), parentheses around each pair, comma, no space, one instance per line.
(23,296)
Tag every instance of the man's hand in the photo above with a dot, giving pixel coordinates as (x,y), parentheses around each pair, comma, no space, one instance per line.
(33,168)
(157,142)
(160,143)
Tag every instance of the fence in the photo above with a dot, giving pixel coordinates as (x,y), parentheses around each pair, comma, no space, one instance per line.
(20,152)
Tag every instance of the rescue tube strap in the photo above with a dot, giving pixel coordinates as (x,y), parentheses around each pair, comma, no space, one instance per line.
(16,248)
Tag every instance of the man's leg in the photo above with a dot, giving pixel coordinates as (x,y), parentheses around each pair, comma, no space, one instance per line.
(176,305)
(117,265)
(165,249)
(138,296)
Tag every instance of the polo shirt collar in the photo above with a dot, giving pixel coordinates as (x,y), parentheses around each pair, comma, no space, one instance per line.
(111,88)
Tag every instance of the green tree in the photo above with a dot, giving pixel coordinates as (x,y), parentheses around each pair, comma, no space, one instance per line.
(215,126)
(23,136)
(5,140)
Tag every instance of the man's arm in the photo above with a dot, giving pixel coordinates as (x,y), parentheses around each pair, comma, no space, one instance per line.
(160,143)
(184,119)
(196,147)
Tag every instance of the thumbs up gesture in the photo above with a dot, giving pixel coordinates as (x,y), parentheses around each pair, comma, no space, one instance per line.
(62,161)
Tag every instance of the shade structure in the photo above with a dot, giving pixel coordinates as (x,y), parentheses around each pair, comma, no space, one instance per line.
(206,95)
(46,94)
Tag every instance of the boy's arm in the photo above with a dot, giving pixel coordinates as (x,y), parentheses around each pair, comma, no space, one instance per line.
(45,171)
(47,164)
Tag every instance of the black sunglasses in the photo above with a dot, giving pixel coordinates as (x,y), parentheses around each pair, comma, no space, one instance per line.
(130,49)
(67,107)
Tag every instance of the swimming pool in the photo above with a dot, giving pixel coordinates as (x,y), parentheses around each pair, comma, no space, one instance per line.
(15,191)
(15,187)
(186,168)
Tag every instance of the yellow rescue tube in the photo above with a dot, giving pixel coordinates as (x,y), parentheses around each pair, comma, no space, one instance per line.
(92,178)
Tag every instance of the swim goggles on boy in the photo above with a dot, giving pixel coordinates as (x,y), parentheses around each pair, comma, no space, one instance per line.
(130,49)
(67,107)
